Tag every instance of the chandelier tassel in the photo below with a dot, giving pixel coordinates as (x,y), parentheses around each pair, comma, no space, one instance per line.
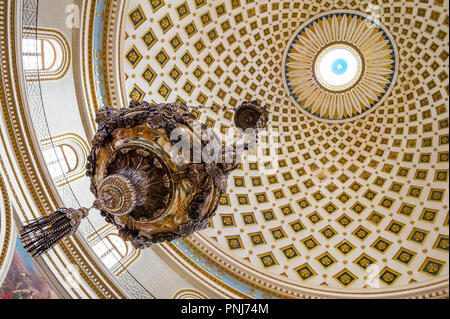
(41,234)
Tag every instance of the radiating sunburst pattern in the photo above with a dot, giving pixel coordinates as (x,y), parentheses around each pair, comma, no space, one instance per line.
(377,66)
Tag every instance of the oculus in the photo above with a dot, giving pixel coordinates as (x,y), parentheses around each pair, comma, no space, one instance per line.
(339,65)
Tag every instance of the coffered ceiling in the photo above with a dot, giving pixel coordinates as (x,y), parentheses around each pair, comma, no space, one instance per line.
(335,198)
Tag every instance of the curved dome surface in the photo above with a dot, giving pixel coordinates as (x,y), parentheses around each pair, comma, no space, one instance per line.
(345,202)
(351,198)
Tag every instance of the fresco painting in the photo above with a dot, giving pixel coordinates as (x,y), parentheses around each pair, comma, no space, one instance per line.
(23,280)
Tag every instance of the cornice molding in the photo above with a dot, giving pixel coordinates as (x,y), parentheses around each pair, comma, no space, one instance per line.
(285,288)
(7,231)
(112,51)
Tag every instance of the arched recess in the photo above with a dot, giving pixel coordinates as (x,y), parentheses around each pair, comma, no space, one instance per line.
(65,156)
(115,253)
(46,54)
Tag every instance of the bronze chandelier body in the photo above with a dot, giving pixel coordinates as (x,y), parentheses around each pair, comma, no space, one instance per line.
(138,185)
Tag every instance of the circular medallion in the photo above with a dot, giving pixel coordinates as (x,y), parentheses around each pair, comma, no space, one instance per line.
(340,65)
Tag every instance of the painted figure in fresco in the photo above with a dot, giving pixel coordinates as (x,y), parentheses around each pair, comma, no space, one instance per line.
(19,294)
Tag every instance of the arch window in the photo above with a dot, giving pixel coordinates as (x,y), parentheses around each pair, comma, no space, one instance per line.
(41,54)
(45,54)
(111,250)
(60,160)
(65,157)
(117,254)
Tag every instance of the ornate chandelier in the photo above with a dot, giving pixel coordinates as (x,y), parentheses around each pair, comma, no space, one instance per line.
(138,185)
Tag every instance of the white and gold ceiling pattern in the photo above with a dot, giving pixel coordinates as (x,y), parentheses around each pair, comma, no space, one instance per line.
(345,196)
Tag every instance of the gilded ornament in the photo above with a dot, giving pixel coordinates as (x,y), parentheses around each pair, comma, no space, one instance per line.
(139,187)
